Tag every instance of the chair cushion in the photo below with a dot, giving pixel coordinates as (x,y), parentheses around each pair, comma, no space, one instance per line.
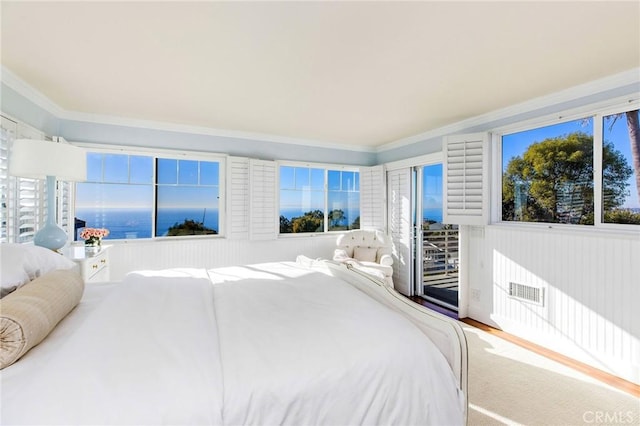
(365,254)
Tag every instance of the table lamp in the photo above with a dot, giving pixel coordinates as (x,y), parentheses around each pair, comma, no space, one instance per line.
(40,159)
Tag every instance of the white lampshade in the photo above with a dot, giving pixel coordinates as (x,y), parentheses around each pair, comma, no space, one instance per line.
(38,159)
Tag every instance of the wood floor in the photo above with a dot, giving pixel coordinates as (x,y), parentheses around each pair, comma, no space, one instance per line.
(597,374)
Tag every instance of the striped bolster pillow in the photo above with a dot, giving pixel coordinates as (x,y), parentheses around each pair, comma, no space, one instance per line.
(28,314)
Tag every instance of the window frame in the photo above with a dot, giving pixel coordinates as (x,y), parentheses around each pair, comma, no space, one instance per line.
(595,111)
(172,155)
(326,167)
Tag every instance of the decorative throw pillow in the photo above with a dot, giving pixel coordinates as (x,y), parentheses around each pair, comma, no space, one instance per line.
(365,254)
(29,314)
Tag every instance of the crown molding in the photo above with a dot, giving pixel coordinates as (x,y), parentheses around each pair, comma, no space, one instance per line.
(29,92)
(209,131)
(38,98)
(614,81)
(573,93)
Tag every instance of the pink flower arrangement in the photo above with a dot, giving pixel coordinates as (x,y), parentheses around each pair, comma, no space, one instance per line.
(93,235)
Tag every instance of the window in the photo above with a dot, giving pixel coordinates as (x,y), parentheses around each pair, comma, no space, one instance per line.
(187,197)
(343,200)
(140,196)
(621,168)
(548,174)
(305,205)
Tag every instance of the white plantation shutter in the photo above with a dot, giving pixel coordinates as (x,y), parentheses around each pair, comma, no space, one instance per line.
(64,196)
(31,205)
(31,200)
(238,198)
(65,218)
(401,228)
(372,197)
(7,134)
(263,218)
(466,188)
(23,200)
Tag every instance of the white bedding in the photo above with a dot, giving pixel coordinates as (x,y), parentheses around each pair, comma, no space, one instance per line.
(262,344)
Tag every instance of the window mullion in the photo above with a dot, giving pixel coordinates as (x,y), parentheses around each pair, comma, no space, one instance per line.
(154,221)
(597,169)
(326,201)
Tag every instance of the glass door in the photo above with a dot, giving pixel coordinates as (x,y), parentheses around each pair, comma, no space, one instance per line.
(436,244)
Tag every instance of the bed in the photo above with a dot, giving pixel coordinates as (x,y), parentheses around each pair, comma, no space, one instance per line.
(300,342)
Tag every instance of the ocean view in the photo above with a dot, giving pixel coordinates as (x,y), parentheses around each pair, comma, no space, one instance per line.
(137,223)
(434,215)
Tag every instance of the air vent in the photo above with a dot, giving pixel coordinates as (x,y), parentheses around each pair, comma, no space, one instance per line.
(527,293)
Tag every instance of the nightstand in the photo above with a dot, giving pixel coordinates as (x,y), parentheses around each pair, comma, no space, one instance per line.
(94,267)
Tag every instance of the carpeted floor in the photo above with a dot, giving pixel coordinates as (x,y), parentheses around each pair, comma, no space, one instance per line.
(511,385)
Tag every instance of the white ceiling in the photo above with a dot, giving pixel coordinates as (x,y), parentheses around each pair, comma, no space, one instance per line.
(355,73)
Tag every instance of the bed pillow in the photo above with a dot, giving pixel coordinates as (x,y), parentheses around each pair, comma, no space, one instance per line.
(17,268)
(46,260)
(13,273)
(28,314)
(22,263)
(365,254)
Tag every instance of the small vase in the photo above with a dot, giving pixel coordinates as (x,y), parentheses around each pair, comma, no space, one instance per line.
(92,246)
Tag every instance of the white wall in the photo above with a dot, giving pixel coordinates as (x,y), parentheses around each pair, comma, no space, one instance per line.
(592,285)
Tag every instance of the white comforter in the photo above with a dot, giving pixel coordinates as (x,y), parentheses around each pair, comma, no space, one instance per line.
(263,344)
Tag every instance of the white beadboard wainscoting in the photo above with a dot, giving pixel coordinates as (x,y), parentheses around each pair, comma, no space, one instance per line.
(590,282)
(213,252)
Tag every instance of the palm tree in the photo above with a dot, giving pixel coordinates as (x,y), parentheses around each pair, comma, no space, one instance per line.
(633,124)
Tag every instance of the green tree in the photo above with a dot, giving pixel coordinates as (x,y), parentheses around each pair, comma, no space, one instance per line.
(336,217)
(622,216)
(190,227)
(312,221)
(356,223)
(286,226)
(553,180)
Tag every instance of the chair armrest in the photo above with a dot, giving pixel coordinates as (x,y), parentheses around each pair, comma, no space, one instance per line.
(386,260)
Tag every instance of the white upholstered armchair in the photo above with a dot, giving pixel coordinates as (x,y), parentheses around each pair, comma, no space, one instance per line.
(369,250)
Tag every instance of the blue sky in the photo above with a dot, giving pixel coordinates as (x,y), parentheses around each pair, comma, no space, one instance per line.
(516,143)
(195,184)
(302,188)
(184,183)
(432,187)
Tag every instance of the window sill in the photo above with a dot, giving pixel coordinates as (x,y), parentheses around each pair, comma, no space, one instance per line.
(614,231)
(331,234)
